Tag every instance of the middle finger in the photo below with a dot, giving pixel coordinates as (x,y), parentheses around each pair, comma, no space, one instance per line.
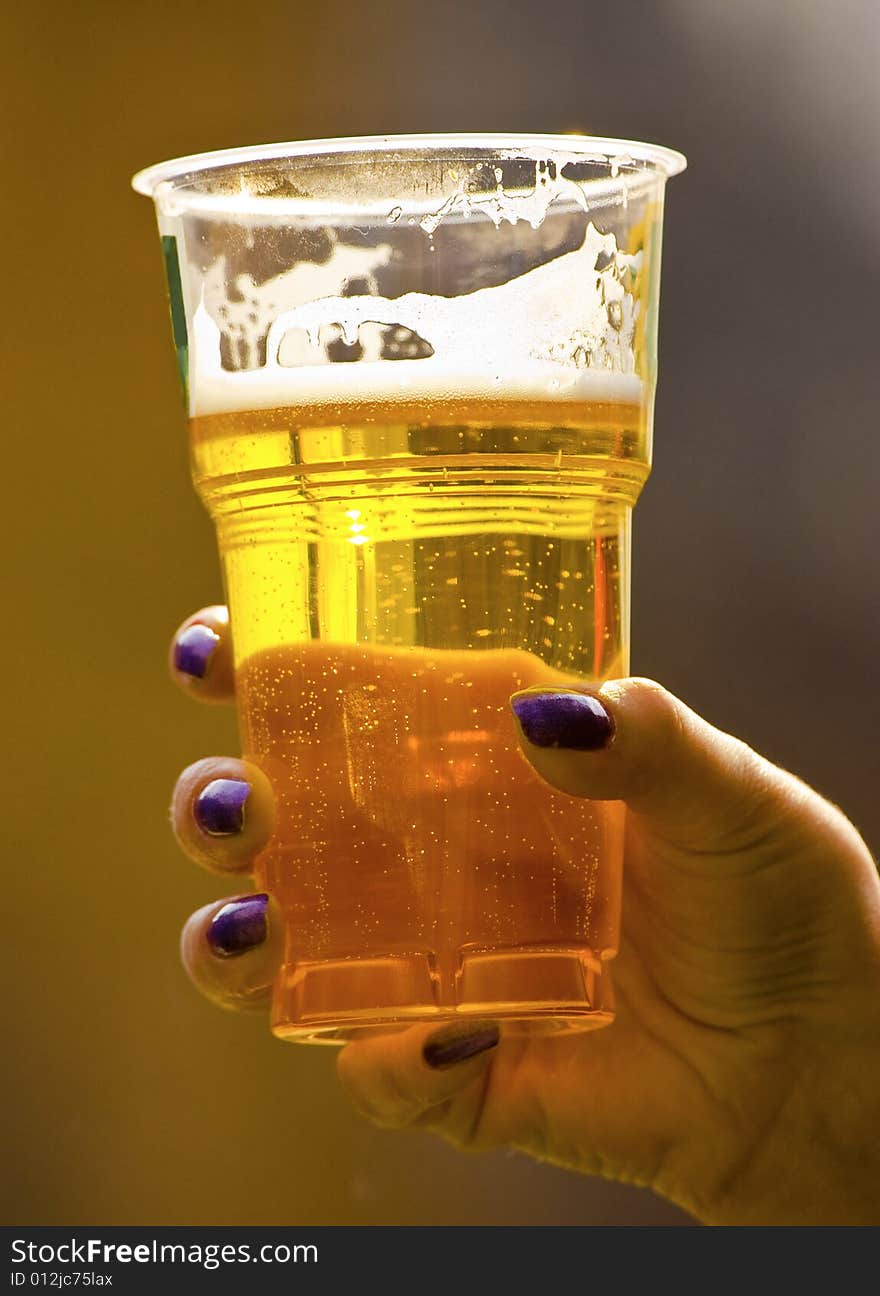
(223,813)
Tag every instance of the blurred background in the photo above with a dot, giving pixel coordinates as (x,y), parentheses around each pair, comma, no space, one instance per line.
(127,1099)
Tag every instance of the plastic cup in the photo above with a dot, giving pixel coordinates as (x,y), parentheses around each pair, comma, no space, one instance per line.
(420,375)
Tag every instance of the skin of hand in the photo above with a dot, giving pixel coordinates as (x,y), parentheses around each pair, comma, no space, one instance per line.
(741,1077)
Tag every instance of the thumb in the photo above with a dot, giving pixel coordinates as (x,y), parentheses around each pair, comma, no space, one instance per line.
(692,785)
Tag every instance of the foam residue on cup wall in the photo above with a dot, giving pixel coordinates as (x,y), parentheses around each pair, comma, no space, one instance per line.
(552,185)
(562,331)
(554,315)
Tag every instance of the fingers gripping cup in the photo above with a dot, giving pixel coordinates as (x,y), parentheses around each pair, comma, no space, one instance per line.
(420,376)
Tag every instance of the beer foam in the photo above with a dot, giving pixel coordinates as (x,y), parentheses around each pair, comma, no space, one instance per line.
(562,331)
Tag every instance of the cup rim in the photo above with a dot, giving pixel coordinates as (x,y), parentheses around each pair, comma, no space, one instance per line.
(667,161)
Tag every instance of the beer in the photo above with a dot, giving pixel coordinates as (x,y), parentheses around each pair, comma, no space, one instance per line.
(395,570)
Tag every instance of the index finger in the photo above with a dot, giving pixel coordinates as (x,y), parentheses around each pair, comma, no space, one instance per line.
(200,656)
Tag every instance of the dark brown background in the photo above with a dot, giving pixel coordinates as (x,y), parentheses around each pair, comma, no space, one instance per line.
(126,1098)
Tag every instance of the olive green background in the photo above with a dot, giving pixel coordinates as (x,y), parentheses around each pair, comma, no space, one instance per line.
(126,1098)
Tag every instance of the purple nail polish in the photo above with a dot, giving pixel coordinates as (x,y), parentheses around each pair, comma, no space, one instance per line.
(577,721)
(238,926)
(457,1043)
(193,650)
(219,807)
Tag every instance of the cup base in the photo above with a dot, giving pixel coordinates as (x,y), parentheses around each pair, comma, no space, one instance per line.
(534,990)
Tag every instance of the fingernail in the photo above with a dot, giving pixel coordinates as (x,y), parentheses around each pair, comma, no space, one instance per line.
(219,807)
(459,1042)
(193,650)
(238,926)
(577,721)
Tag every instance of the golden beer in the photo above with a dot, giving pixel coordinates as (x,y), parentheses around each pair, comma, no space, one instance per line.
(394,573)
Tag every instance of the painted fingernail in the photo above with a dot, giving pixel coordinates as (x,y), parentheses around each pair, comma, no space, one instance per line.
(193,650)
(459,1042)
(577,721)
(239,926)
(219,807)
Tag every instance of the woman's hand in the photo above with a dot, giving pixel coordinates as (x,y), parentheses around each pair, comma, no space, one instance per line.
(741,1078)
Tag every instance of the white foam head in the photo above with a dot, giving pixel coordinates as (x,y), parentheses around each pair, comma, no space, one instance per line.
(561,332)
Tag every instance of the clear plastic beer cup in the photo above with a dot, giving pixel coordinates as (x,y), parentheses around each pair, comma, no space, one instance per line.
(420,374)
